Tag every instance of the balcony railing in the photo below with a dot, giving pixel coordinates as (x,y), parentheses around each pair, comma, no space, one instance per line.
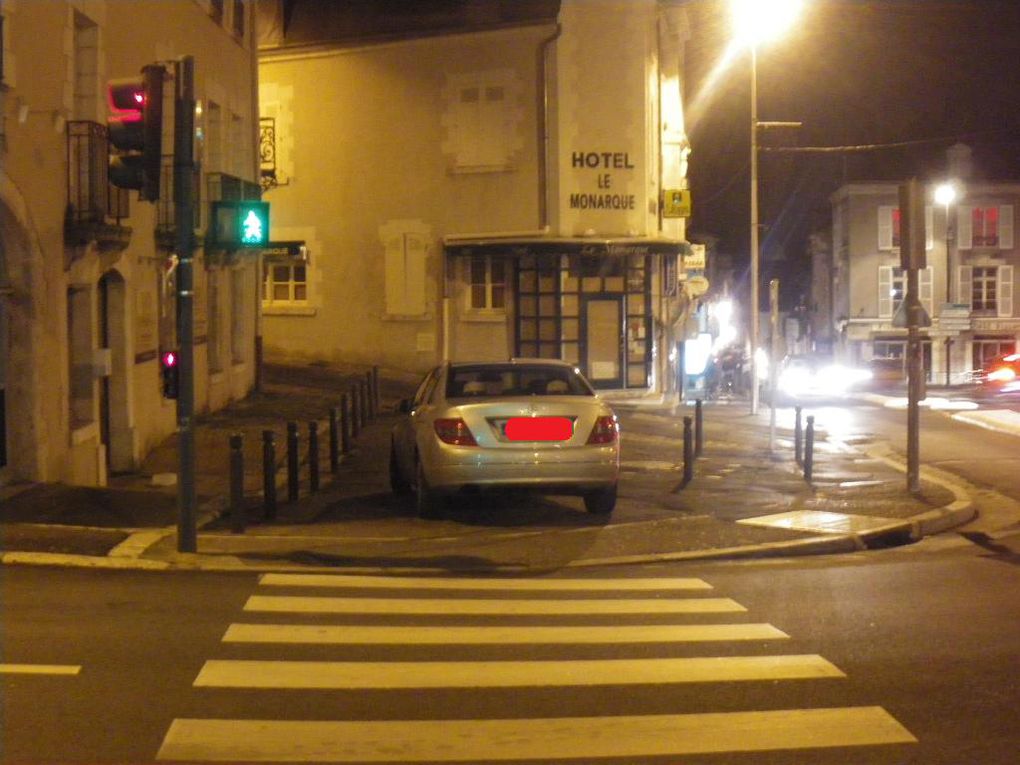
(95,208)
(166,211)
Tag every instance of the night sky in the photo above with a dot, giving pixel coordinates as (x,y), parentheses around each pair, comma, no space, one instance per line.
(855,72)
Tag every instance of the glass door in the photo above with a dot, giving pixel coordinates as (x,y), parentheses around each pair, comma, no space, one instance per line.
(603,358)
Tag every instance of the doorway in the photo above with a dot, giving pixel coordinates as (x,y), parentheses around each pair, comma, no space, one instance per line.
(115,428)
(603,351)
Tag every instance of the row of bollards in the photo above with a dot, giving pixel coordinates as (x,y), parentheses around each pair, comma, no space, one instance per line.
(346,421)
(804,444)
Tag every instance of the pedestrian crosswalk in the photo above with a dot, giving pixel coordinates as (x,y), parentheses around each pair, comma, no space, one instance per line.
(302,626)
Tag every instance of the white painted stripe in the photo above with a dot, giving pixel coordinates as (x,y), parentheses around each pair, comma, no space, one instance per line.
(498,635)
(436,583)
(485,606)
(40,669)
(542,740)
(509,674)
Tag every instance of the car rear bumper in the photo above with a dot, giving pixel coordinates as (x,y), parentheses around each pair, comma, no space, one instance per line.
(573,471)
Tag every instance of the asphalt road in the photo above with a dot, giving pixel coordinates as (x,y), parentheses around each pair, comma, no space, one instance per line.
(915,642)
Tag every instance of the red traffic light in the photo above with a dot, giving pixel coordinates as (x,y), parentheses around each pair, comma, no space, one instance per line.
(126,98)
(170,359)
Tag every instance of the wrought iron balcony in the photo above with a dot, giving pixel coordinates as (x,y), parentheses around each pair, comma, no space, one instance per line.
(95,208)
(166,211)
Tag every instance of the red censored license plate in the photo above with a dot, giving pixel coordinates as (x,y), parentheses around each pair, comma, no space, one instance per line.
(539,429)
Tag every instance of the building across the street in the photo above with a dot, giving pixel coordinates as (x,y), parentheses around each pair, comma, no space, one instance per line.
(87,279)
(966,285)
(510,181)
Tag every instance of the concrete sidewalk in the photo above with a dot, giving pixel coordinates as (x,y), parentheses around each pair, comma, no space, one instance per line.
(744,500)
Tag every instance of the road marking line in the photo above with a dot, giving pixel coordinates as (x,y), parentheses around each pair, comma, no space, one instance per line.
(572,738)
(40,669)
(417,635)
(392,675)
(435,583)
(488,606)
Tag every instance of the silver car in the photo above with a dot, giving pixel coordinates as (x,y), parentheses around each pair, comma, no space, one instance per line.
(524,424)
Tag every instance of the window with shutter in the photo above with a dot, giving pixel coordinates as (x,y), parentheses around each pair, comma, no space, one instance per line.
(406,248)
(984,289)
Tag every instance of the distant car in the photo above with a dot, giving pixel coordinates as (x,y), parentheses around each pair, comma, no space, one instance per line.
(1001,375)
(887,373)
(810,376)
(525,424)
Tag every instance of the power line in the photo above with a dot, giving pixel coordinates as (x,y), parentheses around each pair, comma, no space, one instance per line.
(877,146)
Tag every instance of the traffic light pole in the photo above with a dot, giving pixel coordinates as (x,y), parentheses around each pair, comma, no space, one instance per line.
(911,259)
(184,209)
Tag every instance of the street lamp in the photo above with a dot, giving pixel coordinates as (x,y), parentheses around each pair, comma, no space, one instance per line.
(757,21)
(945,195)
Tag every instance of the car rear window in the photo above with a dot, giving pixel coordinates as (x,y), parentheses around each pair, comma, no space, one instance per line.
(516,380)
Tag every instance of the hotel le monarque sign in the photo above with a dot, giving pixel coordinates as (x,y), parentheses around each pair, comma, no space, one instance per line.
(607,166)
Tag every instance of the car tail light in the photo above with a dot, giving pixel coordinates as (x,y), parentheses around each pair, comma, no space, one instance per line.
(1002,374)
(454,431)
(606,430)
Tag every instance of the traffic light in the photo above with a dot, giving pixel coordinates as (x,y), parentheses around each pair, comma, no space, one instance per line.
(241,224)
(169,367)
(135,130)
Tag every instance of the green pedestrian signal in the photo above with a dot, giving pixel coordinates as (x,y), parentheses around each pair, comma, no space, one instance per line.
(241,224)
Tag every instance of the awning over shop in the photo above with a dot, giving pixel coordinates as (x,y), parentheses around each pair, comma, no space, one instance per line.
(586,246)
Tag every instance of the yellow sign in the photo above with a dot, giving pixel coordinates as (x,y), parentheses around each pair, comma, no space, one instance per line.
(676,203)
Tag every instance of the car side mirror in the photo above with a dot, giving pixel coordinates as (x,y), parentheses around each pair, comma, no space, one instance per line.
(404,406)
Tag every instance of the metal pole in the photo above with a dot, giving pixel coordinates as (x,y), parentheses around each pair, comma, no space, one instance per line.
(355,411)
(369,396)
(754,230)
(911,258)
(688,452)
(334,440)
(345,424)
(798,437)
(292,461)
(268,474)
(184,134)
(375,387)
(699,440)
(237,520)
(313,456)
(366,403)
(809,449)
(774,351)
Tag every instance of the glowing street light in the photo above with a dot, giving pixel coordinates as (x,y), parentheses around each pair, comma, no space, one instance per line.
(757,21)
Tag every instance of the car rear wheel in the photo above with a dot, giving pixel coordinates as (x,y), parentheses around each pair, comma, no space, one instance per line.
(600,502)
(429,504)
(398,484)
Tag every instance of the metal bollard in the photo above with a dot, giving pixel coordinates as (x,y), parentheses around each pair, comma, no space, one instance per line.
(268,474)
(365,403)
(313,456)
(798,437)
(292,461)
(809,449)
(375,387)
(699,439)
(237,519)
(334,440)
(345,424)
(369,397)
(688,452)
(355,411)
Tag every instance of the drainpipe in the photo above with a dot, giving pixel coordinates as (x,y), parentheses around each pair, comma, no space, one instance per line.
(543,128)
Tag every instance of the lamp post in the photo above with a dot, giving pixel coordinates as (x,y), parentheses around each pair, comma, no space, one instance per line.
(945,195)
(757,21)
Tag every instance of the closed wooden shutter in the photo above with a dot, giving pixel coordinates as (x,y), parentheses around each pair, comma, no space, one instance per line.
(964,285)
(1006,227)
(1005,290)
(965,228)
(885,227)
(885,291)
